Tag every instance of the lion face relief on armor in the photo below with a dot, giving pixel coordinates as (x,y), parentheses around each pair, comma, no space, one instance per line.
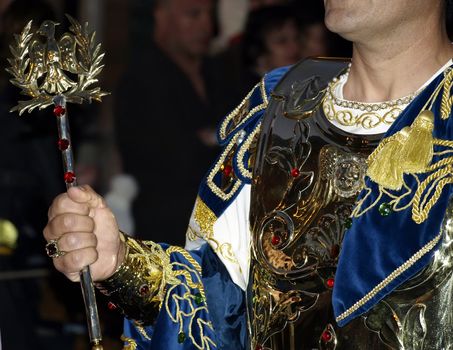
(349,175)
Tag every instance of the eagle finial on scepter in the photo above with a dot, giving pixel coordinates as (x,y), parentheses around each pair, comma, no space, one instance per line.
(54,72)
(55,81)
(68,66)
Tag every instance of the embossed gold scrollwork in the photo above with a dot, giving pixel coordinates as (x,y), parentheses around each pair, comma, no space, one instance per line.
(206,219)
(273,309)
(366,120)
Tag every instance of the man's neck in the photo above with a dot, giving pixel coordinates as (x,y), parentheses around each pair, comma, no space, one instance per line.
(396,66)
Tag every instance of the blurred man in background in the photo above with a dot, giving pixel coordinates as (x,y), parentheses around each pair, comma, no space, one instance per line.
(166,105)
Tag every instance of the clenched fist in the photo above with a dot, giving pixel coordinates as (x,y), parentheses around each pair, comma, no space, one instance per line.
(86,232)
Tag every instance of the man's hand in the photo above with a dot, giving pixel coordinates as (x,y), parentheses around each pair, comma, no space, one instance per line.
(86,230)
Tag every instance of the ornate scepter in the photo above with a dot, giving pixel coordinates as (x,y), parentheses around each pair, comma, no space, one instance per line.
(43,68)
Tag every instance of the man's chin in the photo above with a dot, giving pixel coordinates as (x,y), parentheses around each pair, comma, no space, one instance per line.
(341,25)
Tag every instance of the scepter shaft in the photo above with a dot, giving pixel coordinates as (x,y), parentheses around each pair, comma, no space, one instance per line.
(86,282)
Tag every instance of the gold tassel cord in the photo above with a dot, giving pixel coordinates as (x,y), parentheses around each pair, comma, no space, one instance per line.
(129,343)
(420,211)
(409,151)
(384,163)
(447,98)
(417,151)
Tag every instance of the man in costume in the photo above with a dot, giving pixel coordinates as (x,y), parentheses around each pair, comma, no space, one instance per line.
(326,221)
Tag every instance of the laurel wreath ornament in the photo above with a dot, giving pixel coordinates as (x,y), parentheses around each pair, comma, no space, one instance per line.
(43,69)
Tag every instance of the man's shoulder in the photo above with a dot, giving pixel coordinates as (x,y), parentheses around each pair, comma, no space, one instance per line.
(320,68)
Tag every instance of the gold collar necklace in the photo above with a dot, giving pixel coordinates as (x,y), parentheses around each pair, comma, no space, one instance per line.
(361,114)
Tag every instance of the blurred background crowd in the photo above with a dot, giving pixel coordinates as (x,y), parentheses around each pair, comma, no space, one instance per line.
(174,69)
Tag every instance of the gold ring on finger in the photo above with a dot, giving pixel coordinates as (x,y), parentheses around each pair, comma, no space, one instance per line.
(52,249)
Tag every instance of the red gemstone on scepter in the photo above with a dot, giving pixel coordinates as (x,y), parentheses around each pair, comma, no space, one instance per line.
(69,177)
(63,144)
(59,111)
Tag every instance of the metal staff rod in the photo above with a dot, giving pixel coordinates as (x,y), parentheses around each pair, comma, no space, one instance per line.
(86,283)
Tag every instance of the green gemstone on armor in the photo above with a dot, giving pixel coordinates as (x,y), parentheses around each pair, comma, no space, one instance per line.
(181,337)
(385,209)
(198,299)
(348,223)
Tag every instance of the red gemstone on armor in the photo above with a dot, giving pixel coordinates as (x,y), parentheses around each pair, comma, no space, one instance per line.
(144,290)
(227,170)
(111,306)
(330,282)
(59,111)
(276,239)
(63,144)
(69,177)
(326,336)
(295,172)
(258,347)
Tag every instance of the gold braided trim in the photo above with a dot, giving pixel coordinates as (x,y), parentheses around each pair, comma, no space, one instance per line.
(142,331)
(239,108)
(173,301)
(235,113)
(155,255)
(440,179)
(417,256)
(186,255)
(244,147)
(233,142)
(263,92)
(447,98)
(217,168)
(205,219)
(441,163)
(445,143)
(131,344)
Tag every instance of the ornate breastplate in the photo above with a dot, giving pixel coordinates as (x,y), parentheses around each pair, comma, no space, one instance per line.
(307,176)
